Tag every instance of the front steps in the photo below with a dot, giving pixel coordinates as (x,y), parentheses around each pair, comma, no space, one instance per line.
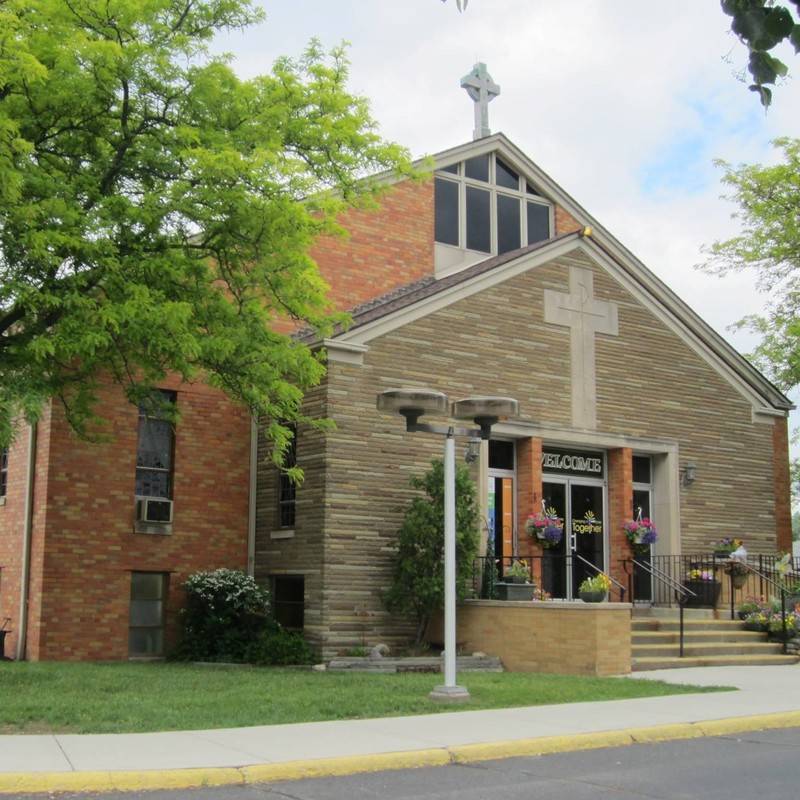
(707,642)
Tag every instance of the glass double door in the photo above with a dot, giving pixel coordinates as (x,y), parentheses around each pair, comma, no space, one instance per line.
(580,505)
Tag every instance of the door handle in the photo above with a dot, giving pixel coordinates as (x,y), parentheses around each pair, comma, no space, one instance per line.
(573,540)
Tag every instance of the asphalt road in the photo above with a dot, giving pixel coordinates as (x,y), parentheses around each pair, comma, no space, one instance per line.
(752,766)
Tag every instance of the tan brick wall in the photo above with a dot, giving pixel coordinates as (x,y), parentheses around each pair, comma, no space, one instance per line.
(650,384)
(299,551)
(85,545)
(566,638)
(783,505)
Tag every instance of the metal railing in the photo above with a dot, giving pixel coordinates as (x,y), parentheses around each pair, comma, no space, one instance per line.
(682,593)
(778,584)
(547,571)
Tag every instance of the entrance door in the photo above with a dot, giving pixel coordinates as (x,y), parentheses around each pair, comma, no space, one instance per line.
(580,505)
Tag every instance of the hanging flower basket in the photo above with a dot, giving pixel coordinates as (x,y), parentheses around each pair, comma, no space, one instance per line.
(546,527)
(641,534)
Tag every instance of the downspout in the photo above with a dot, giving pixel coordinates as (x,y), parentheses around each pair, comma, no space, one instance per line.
(27,535)
(251,504)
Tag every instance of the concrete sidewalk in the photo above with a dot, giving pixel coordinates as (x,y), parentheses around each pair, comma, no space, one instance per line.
(219,756)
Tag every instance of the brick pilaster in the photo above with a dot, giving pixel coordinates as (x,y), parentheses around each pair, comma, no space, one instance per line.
(529,495)
(620,508)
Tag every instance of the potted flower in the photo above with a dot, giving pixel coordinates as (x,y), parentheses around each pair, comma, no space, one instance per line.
(546,527)
(738,572)
(704,586)
(595,589)
(518,572)
(641,533)
(516,584)
(780,628)
(725,546)
(757,621)
(749,606)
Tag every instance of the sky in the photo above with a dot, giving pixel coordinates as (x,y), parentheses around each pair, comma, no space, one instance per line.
(624,105)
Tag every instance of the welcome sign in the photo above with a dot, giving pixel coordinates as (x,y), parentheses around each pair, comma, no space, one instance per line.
(568,462)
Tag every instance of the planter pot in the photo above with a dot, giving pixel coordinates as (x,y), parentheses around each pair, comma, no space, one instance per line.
(739,581)
(706,593)
(722,554)
(781,636)
(592,597)
(515,579)
(517,592)
(755,626)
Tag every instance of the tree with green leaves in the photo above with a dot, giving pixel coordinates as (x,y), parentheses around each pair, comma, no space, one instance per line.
(761,26)
(156,211)
(417,586)
(768,201)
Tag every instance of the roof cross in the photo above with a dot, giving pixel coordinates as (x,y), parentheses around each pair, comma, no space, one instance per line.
(482,89)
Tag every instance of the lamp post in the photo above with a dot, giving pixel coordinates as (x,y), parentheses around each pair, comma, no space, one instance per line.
(484,412)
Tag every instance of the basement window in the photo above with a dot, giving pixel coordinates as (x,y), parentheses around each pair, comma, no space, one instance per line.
(147,614)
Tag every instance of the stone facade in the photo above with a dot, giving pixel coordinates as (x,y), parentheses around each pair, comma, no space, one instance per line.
(651,384)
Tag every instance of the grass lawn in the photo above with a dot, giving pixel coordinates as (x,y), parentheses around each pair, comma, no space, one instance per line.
(117,698)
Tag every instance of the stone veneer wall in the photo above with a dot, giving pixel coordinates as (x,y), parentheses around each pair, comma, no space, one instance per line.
(301,550)
(566,638)
(650,384)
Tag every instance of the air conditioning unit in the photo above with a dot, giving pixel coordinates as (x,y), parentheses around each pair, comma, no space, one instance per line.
(154,509)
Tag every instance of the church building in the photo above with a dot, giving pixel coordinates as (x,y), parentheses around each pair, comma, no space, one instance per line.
(486,279)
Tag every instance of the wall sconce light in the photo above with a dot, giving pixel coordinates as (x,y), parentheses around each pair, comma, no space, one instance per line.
(472,450)
(689,474)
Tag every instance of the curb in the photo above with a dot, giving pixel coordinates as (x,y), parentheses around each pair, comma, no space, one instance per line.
(20,783)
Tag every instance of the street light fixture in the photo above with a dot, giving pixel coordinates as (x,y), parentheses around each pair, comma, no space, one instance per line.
(485,412)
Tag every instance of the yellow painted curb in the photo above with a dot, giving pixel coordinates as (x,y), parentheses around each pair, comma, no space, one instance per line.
(543,745)
(21,783)
(722,727)
(346,765)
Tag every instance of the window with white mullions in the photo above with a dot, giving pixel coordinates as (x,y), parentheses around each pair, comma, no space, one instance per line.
(155,450)
(483,204)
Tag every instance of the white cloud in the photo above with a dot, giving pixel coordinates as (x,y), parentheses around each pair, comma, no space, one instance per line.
(624,103)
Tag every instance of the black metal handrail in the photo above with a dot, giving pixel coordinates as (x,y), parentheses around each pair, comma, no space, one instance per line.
(682,593)
(779,586)
(500,565)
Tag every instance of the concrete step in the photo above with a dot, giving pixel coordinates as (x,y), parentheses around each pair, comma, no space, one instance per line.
(695,637)
(688,625)
(433,664)
(656,662)
(662,612)
(721,649)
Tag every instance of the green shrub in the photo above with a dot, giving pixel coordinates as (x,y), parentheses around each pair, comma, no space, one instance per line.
(225,611)
(418,578)
(279,647)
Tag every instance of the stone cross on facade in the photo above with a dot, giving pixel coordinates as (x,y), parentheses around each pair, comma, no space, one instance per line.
(482,89)
(584,316)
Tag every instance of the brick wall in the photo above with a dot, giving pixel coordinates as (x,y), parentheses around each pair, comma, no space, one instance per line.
(566,638)
(86,545)
(387,247)
(620,508)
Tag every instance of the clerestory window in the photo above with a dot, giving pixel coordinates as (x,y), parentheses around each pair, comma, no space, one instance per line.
(483,204)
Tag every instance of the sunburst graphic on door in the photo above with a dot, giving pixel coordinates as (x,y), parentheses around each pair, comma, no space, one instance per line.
(588,525)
